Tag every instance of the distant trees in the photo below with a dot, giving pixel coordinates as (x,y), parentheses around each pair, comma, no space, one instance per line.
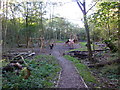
(105,22)
(24,20)
(62,29)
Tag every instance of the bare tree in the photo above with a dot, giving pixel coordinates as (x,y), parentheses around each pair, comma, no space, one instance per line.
(118,36)
(0,37)
(82,6)
(119,30)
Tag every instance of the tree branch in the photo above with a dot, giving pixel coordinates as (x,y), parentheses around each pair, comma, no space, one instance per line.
(80,5)
(92,6)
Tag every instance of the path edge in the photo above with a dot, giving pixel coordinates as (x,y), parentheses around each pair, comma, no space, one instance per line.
(58,79)
(81,77)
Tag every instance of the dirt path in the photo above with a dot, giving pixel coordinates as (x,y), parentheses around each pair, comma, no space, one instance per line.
(69,77)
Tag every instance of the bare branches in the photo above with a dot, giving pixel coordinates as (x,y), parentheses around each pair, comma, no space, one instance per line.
(80,6)
(24,61)
(80,3)
(92,6)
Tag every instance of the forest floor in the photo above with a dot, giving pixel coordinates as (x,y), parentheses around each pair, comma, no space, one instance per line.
(69,77)
(106,76)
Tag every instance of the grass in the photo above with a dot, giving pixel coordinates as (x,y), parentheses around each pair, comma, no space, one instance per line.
(83,47)
(79,49)
(83,43)
(83,70)
(59,42)
(108,71)
(44,73)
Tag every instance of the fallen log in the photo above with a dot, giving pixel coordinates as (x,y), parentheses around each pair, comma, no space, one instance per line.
(79,54)
(25,55)
(15,61)
(12,67)
(22,45)
(104,63)
(100,50)
(15,66)
(28,67)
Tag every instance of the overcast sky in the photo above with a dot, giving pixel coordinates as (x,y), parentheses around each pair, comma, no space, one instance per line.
(68,10)
(71,11)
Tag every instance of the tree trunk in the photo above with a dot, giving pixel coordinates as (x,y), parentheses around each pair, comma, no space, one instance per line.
(118,36)
(27,31)
(41,19)
(119,29)
(87,32)
(4,26)
(88,38)
(108,26)
(0,38)
(93,42)
(82,6)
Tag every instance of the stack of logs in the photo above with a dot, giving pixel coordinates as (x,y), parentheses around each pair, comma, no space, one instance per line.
(15,64)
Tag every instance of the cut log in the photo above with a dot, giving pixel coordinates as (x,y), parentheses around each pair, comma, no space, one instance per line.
(22,45)
(25,55)
(104,63)
(31,54)
(11,67)
(15,61)
(79,54)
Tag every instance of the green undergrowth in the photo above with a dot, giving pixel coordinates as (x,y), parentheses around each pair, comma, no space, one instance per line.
(111,72)
(44,74)
(83,47)
(83,70)
(83,43)
(78,49)
(59,42)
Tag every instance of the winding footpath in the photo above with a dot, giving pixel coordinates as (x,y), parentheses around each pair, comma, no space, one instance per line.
(69,77)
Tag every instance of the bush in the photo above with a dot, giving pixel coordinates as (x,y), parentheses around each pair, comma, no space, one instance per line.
(109,44)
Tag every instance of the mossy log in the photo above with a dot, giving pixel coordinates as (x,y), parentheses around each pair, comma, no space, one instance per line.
(104,63)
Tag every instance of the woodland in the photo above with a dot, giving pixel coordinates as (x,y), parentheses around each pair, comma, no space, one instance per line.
(28,28)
